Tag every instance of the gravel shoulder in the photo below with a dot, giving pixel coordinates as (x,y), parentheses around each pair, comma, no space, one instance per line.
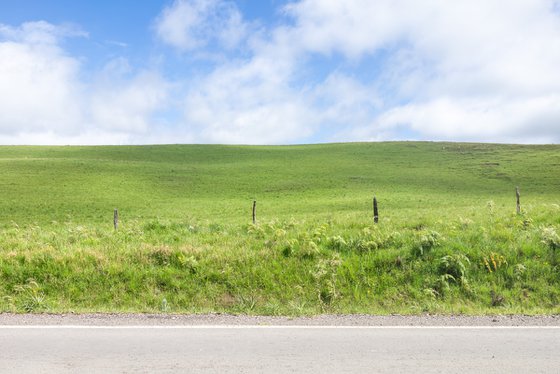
(109,319)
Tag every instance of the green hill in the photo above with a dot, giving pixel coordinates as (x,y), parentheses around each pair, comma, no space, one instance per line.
(448,239)
(218,183)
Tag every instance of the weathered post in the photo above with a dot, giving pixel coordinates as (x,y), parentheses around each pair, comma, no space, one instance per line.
(254,212)
(517,195)
(116,219)
(375,212)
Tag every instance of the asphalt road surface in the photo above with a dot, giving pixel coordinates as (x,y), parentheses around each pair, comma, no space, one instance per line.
(279,349)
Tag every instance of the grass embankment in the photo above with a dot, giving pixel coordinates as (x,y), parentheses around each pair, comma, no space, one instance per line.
(448,240)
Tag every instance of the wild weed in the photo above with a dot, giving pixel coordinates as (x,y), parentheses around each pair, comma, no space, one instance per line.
(325,275)
(455,265)
(493,262)
(30,298)
(550,238)
(186,237)
(425,242)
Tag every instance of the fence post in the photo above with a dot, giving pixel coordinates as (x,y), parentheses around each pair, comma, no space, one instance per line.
(375,211)
(254,212)
(518,204)
(116,219)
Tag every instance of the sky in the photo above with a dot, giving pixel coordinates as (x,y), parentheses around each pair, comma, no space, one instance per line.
(279,72)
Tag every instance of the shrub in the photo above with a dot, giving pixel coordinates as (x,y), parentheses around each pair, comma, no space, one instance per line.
(363,245)
(325,275)
(426,242)
(454,265)
(309,250)
(186,262)
(441,285)
(337,243)
(289,247)
(255,230)
(550,238)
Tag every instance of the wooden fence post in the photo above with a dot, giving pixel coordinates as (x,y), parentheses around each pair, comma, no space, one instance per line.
(254,212)
(518,204)
(375,212)
(116,219)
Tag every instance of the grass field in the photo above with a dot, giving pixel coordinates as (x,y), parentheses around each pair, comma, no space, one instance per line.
(448,240)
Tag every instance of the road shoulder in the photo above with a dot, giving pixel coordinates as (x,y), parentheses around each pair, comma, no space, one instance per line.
(122,319)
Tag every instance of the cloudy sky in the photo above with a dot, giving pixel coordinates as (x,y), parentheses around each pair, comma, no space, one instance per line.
(278,72)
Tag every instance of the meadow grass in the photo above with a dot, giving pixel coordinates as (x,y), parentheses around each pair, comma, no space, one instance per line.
(448,240)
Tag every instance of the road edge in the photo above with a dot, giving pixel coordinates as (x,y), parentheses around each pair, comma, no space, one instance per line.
(129,319)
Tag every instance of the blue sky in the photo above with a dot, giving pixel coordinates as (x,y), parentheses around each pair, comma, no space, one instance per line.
(278,72)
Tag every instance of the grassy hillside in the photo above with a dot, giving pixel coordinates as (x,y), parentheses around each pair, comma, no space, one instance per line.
(448,239)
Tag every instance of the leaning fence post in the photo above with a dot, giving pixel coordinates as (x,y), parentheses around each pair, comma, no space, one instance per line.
(116,219)
(375,212)
(517,195)
(254,212)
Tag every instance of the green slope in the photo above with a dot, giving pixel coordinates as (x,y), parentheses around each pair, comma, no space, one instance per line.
(84,184)
(448,239)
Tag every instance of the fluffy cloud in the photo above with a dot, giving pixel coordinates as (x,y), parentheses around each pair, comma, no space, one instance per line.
(191,24)
(469,70)
(124,102)
(244,100)
(345,101)
(248,103)
(477,70)
(39,87)
(40,32)
(527,121)
(44,98)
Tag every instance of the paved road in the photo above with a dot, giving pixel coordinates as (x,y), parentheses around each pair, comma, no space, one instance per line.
(287,349)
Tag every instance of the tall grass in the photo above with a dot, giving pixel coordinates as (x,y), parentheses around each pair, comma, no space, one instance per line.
(448,240)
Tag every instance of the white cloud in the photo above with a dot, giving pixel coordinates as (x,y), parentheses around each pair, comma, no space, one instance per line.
(87,137)
(352,27)
(480,70)
(39,87)
(40,32)
(191,24)
(343,104)
(467,70)
(523,121)
(125,103)
(45,99)
(248,103)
